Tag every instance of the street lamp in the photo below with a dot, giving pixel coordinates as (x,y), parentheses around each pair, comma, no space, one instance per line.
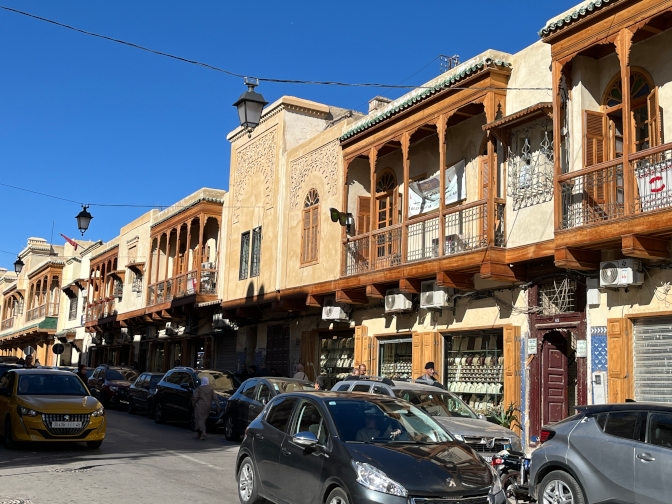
(343,218)
(83,219)
(250,105)
(18,265)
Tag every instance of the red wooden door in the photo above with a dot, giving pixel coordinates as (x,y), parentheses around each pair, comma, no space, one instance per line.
(554,372)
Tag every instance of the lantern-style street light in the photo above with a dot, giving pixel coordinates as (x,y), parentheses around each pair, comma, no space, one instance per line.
(18,265)
(83,219)
(250,104)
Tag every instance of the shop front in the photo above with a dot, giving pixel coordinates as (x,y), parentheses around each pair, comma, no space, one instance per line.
(395,355)
(337,355)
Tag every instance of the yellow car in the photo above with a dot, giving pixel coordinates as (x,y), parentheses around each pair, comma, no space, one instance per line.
(48,405)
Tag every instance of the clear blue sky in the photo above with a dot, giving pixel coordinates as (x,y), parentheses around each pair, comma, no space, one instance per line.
(95,121)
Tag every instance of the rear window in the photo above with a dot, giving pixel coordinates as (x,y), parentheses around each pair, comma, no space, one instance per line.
(280,413)
(121,374)
(282,387)
(343,388)
(621,424)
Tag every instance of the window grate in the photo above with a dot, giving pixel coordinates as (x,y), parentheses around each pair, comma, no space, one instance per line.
(244,255)
(256,252)
(558,297)
(72,313)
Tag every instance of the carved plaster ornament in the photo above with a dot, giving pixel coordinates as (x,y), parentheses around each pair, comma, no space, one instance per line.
(323,161)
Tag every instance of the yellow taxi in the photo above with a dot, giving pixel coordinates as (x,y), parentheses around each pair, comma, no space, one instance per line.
(48,405)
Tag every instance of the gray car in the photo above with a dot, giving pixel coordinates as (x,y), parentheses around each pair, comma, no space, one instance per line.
(613,453)
(448,410)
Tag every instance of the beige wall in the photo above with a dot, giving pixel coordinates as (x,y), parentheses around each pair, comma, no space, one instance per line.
(531,69)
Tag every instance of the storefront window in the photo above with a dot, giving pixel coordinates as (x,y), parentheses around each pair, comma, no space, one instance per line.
(337,357)
(474,369)
(396,358)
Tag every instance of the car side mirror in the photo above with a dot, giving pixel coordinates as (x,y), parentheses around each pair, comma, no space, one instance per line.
(185,386)
(305,439)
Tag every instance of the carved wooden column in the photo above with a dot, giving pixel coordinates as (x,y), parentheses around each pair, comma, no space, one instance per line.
(441,129)
(373,155)
(623,45)
(556,71)
(199,261)
(149,269)
(488,177)
(405,148)
(344,208)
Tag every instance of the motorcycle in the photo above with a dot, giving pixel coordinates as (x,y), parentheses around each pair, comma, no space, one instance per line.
(513,469)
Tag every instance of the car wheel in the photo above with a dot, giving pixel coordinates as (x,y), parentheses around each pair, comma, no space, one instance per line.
(559,486)
(230,430)
(94,445)
(337,496)
(131,407)
(159,415)
(8,439)
(247,485)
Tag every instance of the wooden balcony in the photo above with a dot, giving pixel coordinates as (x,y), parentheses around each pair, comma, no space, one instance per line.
(100,310)
(45,310)
(7,324)
(199,281)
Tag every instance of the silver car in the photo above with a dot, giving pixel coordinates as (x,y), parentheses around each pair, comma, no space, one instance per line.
(450,411)
(606,453)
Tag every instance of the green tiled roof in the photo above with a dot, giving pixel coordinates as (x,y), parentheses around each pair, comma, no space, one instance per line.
(581,12)
(418,95)
(47,323)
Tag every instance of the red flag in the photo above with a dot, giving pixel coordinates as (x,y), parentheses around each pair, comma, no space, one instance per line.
(71,242)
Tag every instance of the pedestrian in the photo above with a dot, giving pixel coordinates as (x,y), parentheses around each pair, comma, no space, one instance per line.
(37,363)
(300,375)
(81,372)
(362,370)
(354,375)
(20,362)
(201,402)
(242,374)
(431,376)
(28,364)
(320,383)
(252,371)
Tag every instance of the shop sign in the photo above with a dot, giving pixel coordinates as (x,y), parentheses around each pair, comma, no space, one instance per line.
(581,348)
(532,346)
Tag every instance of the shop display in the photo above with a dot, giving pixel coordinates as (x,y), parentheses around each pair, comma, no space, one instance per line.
(475,371)
(337,359)
(396,359)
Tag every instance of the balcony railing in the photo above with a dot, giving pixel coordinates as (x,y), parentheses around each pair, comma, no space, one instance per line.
(72,312)
(465,229)
(52,310)
(101,309)
(185,284)
(8,323)
(597,194)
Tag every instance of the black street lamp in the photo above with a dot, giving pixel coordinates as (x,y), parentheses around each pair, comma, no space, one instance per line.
(343,218)
(250,105)
(83,219)
(18,265)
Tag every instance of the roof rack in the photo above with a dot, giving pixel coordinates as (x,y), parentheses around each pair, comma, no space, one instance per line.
(423,382)
(381,379)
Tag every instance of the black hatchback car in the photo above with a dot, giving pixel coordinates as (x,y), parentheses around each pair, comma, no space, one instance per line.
(341,448)
(172,400)
(141,393)
(251,397)
(109,384)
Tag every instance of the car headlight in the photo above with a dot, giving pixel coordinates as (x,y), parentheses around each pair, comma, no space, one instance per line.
(27,412)
(496,482)
(99,412)
(458,437)
(114,389)
(375,479)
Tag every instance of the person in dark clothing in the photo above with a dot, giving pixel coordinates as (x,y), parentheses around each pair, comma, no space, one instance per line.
(81,372)
(252,371)
(243,374)
(320,383)
(431,376)
(29,363)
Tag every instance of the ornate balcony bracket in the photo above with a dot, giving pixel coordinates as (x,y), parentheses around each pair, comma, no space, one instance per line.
(645,247)
(351,297)
(573,258)
(455,280)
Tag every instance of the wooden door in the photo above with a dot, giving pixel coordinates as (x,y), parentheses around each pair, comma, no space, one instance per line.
(554,378)
(618,346)
(360,340)
(417,366)
(277,349)
(512,385)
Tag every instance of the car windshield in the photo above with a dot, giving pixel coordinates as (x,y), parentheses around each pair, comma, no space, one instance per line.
(218,381)
(437,404)
(383,421)
(282,387)
(121,374)
(51,384)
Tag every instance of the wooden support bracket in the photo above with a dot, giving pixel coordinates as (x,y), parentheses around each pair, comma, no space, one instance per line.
(375,291)
(315,300)
(165,315)
(147,318)
(410,285)
(455,280)
(502,272)
(578,259)
(351,297)
(644,247)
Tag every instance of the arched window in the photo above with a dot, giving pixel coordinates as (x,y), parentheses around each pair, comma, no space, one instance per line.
(310,245)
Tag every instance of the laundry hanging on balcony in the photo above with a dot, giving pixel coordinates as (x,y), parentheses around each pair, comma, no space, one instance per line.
(424,195)
(654,182)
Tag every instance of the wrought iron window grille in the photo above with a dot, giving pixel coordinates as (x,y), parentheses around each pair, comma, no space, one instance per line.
(530,177)
(557,297)
(244,255)
(256,252)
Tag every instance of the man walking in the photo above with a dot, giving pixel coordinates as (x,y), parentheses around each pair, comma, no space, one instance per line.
(430,376)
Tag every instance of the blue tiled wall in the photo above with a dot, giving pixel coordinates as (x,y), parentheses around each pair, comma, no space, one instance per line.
(598,348)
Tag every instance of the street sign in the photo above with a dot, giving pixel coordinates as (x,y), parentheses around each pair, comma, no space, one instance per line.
(532,346)
(58,348)
(29,350)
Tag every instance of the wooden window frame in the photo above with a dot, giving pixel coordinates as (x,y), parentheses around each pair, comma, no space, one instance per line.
(310,233)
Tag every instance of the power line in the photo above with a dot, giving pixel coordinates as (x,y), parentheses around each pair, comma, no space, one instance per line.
(264,79)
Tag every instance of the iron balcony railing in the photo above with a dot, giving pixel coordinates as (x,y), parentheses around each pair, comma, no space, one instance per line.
(185,284)
(8,323)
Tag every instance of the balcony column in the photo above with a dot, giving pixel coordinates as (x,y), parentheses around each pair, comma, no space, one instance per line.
(556,71)
(623,44)
(405,147)
(344,207)
(176,260)
(200,249)
(489,189)
(46,305)
(373,155)
(441,129)
(165,274)
(149,270)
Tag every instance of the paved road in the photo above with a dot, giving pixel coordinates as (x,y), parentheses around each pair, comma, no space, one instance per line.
(138,462)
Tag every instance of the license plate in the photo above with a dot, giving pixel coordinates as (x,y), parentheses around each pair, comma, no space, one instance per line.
(488,459)
(66,425)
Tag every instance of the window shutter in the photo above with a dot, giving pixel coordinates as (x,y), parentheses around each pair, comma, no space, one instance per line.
(594,137)
(654,118)
(617,361)
(305,236)
(395,207)
(512,386)
(438,354)
(314,233)
(363,214)
(360,332)
(416,357)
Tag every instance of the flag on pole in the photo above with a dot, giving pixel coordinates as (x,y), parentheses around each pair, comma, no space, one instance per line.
(71,242)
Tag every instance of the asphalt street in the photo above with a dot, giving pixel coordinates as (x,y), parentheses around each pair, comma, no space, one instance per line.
(139,461)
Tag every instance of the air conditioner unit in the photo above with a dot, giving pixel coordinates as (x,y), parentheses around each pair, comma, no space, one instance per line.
(433,297)
(335,311)
(621,273)
(218,321)
(170,330)
(397,301)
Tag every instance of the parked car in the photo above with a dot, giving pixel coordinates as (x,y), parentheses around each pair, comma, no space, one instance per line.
(173,393)
(353,448)
(141,393)
(6,367)
(606,453)
(450,411)
(48,405)
(110,384)
(251,397)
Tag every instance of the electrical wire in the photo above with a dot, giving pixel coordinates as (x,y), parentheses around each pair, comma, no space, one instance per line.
(262,79)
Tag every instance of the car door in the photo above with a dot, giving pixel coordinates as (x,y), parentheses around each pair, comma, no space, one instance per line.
(607,443)
(139,391)
(262,395)
(7,383)
(303,465)
(653,460)
(169,395)
(267,443)
(94,383)
(183,396)
(247,397)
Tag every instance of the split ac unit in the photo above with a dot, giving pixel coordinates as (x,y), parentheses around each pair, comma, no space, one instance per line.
(170,330)
(433,297)
(218,321)
(621,273)
(335,311)
(397,301)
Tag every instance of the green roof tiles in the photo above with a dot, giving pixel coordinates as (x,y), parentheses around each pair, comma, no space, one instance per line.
(581,12)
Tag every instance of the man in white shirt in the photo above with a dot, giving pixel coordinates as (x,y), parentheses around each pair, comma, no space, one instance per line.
(300,375)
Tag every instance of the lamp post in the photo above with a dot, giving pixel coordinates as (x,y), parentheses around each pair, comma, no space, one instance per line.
(250,104)
(83,219)
(18,265)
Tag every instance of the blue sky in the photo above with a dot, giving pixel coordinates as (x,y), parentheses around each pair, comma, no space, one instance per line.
(94,121)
